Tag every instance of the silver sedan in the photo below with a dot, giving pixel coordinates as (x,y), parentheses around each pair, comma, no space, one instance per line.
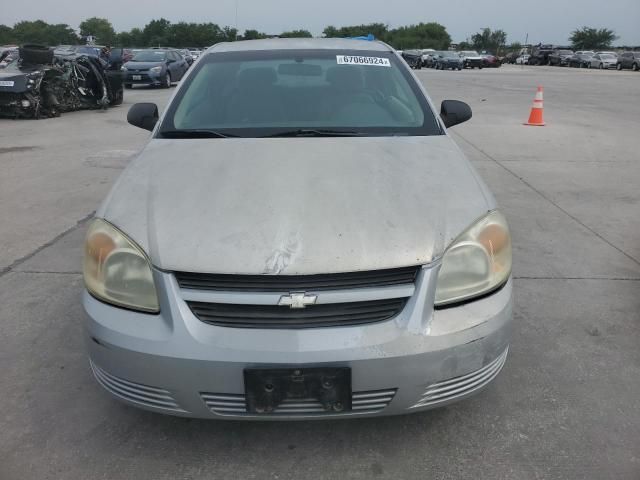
(602,61)
(300,238)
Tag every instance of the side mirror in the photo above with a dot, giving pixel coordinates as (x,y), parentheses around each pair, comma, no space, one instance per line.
(454,112)
(143,115)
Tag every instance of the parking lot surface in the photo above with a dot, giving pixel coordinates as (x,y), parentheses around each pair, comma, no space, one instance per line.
(566,405)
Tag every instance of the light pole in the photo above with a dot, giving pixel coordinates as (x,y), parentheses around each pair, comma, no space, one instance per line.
(237,1)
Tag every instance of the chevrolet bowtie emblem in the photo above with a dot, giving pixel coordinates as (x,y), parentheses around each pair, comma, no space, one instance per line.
(297,300)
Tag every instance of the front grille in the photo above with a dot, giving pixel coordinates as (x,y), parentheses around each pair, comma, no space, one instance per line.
(143,395)
(288,283)
(274,316)
(460,386)
(10,98)
(361,402)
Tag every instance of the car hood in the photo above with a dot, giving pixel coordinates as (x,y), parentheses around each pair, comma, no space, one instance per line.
(142,65)
(296,205)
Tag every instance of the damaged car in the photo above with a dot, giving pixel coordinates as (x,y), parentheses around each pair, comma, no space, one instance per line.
(301,238)
(40,84)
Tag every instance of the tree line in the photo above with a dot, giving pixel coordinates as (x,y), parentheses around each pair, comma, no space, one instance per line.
(162,32)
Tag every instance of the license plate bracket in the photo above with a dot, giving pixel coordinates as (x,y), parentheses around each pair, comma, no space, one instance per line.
(266,389)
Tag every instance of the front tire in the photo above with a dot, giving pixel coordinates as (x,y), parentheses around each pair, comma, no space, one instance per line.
(166,83)
(634,67)
(119,98)
(601,67)
(619,66)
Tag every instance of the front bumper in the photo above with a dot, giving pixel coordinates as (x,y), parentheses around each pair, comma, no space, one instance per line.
(143,78)
(18,105)
(174,363)
(473,63)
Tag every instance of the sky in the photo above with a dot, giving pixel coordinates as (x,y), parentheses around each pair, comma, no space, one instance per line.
(547,21)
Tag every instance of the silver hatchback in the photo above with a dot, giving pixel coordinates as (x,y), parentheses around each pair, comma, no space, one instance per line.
(300,238)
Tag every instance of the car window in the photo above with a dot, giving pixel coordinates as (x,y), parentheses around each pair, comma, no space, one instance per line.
(253,94)
(150,56)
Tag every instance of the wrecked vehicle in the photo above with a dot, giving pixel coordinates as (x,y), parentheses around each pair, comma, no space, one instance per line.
(40,84)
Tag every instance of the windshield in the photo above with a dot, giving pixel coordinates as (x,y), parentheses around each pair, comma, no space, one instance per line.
(606,56)
(450,55)
(470,53)
(565,52)
(266,93)
(149,56)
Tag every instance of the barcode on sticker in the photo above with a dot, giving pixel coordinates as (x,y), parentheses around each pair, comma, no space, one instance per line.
(354,60)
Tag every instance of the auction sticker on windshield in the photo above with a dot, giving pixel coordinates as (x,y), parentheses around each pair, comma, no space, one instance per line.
(6,83)
(354,60)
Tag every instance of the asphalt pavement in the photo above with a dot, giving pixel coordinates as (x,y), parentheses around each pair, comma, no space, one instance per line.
(566,405)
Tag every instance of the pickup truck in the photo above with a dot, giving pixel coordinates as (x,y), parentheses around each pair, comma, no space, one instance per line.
(471,59)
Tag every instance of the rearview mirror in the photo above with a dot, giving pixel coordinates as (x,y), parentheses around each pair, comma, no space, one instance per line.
(454,112)
(143,115)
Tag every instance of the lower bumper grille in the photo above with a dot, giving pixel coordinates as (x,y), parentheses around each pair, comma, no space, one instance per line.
(460,386)
(143,395)
(361,402)
(274,316)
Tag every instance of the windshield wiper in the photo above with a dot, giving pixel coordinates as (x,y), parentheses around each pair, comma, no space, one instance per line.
(194,133)
(310,132)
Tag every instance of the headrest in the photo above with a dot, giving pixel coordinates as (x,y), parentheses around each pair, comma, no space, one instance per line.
(252,78)
(345,77)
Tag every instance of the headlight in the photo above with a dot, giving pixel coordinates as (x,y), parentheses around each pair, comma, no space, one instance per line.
(123,68)
(157,69)
(477,262)
(116,270)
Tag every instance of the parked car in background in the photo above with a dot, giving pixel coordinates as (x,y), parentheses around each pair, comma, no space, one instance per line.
(603,61)
(581,59)
(194,54)
(430,61)
(522,60)
(158,67)
(127,54)
(426,53)
(471,59)
(449,60)
(271,287)
(490,61)
(560,57)
(511,57)
(186,54)
(413,58)
(540,54)
(629,60)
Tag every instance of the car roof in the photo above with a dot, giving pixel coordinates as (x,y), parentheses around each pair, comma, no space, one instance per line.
(301,44)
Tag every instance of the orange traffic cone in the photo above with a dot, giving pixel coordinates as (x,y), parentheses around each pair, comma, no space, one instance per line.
(535,117)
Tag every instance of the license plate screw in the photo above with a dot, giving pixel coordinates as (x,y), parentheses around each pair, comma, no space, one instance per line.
(328,384)
(297,373)
(268,388)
